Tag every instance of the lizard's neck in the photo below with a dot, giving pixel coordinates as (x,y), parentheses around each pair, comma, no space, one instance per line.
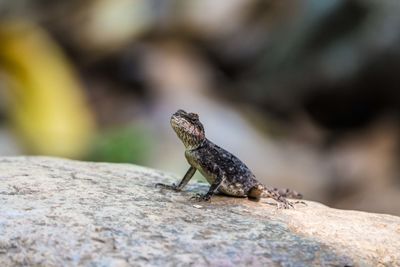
(193,143)
(191,138)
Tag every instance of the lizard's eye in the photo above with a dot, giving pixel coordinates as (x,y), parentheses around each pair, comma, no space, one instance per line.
(194,116)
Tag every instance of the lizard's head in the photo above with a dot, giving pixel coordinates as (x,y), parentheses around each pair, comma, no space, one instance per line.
(188,128)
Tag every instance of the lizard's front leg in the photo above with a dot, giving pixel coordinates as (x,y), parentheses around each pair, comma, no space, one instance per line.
(189,174)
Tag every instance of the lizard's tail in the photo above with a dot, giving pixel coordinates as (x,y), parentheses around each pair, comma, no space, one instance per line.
(260,191)
(283,192)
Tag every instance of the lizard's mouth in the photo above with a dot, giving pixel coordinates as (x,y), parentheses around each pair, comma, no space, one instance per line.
(176,118)
(176,122)
(181,125)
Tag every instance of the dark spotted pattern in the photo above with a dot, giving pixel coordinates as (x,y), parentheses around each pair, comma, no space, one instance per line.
(212,160)
(225,172)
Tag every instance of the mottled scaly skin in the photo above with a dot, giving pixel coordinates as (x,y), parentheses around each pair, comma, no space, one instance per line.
(213,161)
(223,171)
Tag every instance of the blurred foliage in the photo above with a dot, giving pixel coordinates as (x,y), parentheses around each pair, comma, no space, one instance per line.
(129,145)
(47,105)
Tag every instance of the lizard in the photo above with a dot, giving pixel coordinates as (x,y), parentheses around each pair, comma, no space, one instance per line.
(223,171)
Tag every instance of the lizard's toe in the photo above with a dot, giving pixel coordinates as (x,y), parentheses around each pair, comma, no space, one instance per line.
(285,205)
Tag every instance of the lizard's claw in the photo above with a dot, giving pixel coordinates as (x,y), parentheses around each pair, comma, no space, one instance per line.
(171,187)
(201,197)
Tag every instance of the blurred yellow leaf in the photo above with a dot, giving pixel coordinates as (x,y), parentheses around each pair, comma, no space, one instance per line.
(48,106)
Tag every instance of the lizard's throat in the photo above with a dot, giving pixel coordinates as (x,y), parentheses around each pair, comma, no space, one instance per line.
(191,141)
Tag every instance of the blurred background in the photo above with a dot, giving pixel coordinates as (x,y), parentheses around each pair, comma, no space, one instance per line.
(306,93)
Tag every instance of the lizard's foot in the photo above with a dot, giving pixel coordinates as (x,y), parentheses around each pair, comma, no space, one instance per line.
(285,205)
(171,187)
(201,197)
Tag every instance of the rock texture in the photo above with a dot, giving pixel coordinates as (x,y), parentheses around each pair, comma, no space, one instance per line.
(56,212)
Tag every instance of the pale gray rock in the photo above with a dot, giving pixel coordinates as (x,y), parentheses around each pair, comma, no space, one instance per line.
(56,212)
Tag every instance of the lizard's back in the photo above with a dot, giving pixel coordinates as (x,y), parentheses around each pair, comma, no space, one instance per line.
(212,160)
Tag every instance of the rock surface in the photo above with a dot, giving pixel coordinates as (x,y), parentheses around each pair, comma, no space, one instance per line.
(56,212)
